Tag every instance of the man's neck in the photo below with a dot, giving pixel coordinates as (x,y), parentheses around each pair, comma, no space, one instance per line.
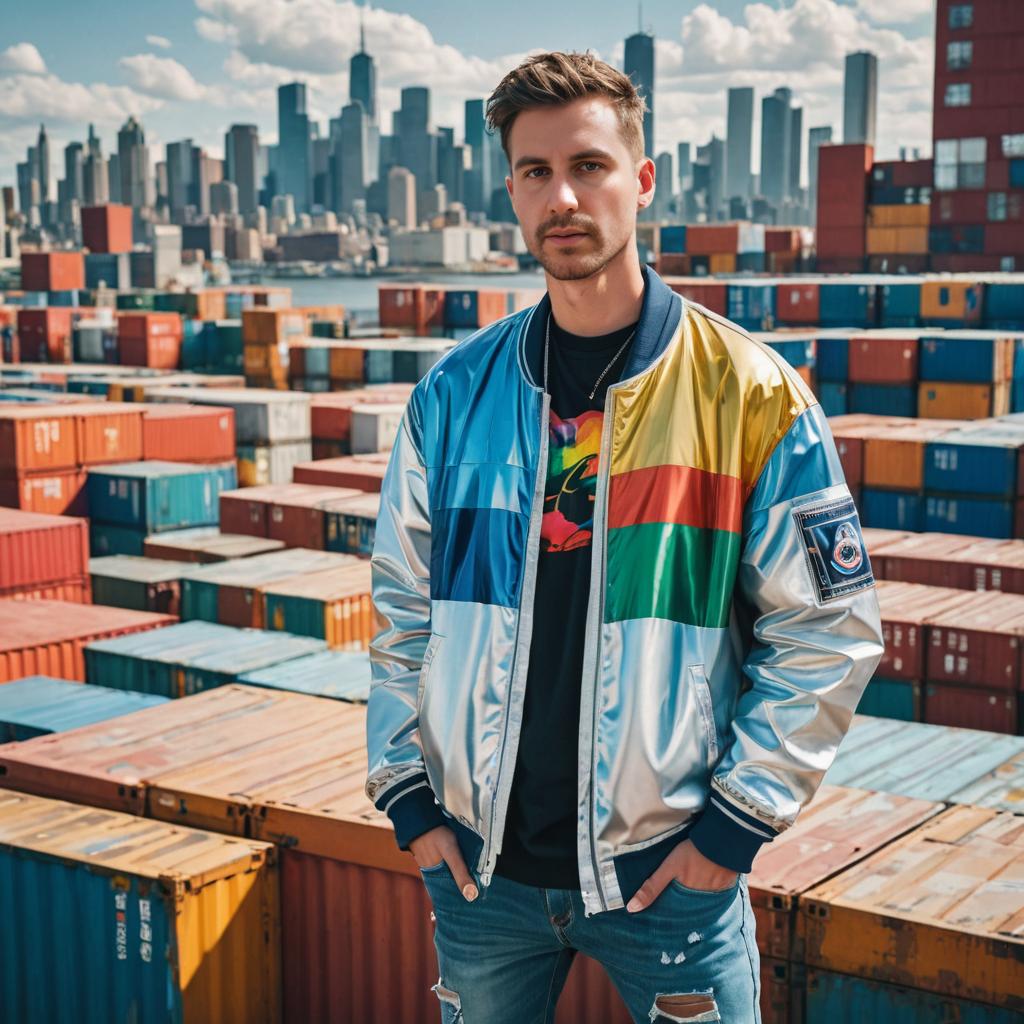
(603,302)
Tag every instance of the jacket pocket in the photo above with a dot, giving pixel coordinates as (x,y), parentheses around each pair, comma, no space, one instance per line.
(706,710)
(428,656)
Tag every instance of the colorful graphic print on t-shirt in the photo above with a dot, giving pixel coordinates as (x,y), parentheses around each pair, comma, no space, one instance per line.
(571,486)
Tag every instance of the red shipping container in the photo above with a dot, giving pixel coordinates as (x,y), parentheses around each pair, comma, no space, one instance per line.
(709,239)
(977,644)
(150,339)
(959,208)
(843,171)
(48,637)
(44,335)
(295,515)
(966,262)
(107,228)
(37,437)
(969,708)
(55,492)
(839,265)
(77,590)
(188,433)
(109,432)
(711,295)
(363,472)
(331,413)
(415,305)
(841,242)
(244,511)
(52,271)
(674,264)
(148,325)
(782,240)
(889,358)
(926,558)
(912,173)
(37,549)
(997,174)
(797,302)
(1004,240)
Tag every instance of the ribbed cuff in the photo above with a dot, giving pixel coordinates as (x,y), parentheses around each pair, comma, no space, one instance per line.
(413,812)
(729,838)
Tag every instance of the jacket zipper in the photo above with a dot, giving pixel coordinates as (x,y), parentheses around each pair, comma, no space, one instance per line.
(503,788)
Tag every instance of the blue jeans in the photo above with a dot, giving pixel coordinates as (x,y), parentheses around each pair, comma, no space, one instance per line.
(690,956)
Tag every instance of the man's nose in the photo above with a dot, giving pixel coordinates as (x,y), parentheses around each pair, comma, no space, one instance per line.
(562,197)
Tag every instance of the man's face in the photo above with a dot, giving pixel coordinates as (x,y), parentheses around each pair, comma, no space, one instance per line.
(575,186)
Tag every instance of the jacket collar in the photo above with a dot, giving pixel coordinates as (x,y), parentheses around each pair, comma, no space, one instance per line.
(659,317)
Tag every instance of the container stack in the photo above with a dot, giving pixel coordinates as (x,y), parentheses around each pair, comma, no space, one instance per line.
(332,415)
(131,581)
(52,271)
(43,556)
(319,365)
(898,216)
(290,513)
(843,175)
(150,339)
(265,339)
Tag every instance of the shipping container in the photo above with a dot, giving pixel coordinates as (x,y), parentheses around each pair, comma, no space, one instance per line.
(206,544)
(900,304)
(962,401)
(332,605)
(953,302)
(847,304)
(1002,788)
(883,399)
(37,438)
(364,472)
(350,524)
(260,465)
(47,637)
(994,711)
(892,698)
(978,517)
(39,549)
(42,705)
(145,584)
(888,357)
(473,307)
(150,922)
(833,397)
(797,303)
(712,295)
(895,458)
(189,657)
(52,492)
(93,341)
(341,675)
(976,460)
(934,909)
(155,496)
(962,356)
(107,229)
(188,433)
(108,432)
(52,271)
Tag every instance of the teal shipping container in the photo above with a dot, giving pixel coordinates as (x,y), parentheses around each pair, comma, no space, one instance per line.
(891,698)
(931,762)
(41,705)
(146,584)
(155,496)
(190,657)
(843,999)
(343,675)
(114,919)
(106,540)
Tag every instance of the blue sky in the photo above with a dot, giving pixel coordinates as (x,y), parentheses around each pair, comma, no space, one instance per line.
(189,68)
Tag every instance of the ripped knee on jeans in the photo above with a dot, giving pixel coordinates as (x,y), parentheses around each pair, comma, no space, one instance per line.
(685,1007)
(451,1005)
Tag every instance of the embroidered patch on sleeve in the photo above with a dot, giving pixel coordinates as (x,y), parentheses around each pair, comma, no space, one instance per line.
(834,547)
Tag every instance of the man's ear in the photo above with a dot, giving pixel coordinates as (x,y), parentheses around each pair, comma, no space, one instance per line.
(645,175)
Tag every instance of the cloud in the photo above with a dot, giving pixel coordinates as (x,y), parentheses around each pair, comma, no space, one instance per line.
(162,42)
(895,12)
(162,76)
(22,57)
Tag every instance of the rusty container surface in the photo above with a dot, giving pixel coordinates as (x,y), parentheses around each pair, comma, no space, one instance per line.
(39,549)
(924,558)
(940,910)
(48,637)
(917,759)
(971,708)
(150,923)
(35,438)
(108,764)
(1002,788)
(905,608)
(108,432)
(839,827)
(994,564)
(978,643)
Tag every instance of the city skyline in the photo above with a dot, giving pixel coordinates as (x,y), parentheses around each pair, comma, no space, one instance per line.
(163,90)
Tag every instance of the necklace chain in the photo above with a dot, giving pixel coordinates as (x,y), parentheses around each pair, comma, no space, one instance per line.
(597,383)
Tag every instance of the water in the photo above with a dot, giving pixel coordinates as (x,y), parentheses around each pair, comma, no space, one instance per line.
(359,294)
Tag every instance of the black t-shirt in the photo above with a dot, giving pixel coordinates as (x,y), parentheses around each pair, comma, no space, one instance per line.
(539,845)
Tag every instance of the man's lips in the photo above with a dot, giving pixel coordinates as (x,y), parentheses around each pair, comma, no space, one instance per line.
(563,238)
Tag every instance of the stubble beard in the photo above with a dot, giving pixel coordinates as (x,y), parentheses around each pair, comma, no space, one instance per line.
(568,264)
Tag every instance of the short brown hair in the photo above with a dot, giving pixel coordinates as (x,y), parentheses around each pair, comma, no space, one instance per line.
(552,79)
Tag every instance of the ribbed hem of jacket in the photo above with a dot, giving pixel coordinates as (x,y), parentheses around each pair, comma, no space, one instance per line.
(411,807)
(729,836)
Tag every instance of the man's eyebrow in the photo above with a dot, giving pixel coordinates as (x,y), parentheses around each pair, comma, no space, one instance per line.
(586,154)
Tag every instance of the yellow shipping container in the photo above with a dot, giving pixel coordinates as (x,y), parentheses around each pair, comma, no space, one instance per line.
(722,263)
(917,215)
(911,240)
(137,913)
(940,400)
(881,240)
(951,298)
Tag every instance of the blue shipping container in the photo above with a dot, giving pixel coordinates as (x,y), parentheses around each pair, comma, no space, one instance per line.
(155,495)
(891,510)
(833,398)
(901,305)
(1017,173)
(973,462)
(40,705)
(976,517)
(796,352)
(884,399)
(343,675)
(960,358)
(752,306)
(846,305)
(673,238)
(891,698)
(1004,304)
(108,539)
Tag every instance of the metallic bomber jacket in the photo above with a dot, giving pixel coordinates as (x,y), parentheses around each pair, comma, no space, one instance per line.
(732,622)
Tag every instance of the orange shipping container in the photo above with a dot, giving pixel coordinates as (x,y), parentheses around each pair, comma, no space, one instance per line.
(938,400)
(52,271)
(188,433)
(722,263)
(958,299)
(894,458)
(55,492)
(108,432)
(37,438)
(107,228)
(709,239)
(906,215)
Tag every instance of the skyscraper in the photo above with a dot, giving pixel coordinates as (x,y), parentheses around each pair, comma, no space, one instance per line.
(95,184)
(739,140)
(133,165)
(417,148)
(293,145)
(178,161)
(639,65)
(776,145)
(43,164)
(73,164)
(860,97)
(349,161)
(712,155)
(796,149)
(242,153)
(362,78)
(684,165)
(478,177)
(816,138)
(402,197)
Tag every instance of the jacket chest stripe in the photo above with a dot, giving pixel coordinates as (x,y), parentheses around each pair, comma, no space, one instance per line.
(681,495)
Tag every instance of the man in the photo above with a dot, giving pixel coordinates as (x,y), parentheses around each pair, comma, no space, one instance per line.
(627,610)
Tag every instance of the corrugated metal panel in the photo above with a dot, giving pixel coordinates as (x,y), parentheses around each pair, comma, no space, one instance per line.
(342,675)
(158,495)
(840,999)
(47,637)
(929,762)
(206,544)
(839,827)
(108,432)
(334,604)
(190,657)
(41,705)
(939,910)
(150,923)
(188,433)
(992,711)
(78,590)
(1002,788)
(364,472)
(37,439)
(108,764)
(127,581)
(37,549)
(261,416)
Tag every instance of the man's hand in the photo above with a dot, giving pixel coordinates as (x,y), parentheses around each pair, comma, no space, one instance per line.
(440,844)
(688,866)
